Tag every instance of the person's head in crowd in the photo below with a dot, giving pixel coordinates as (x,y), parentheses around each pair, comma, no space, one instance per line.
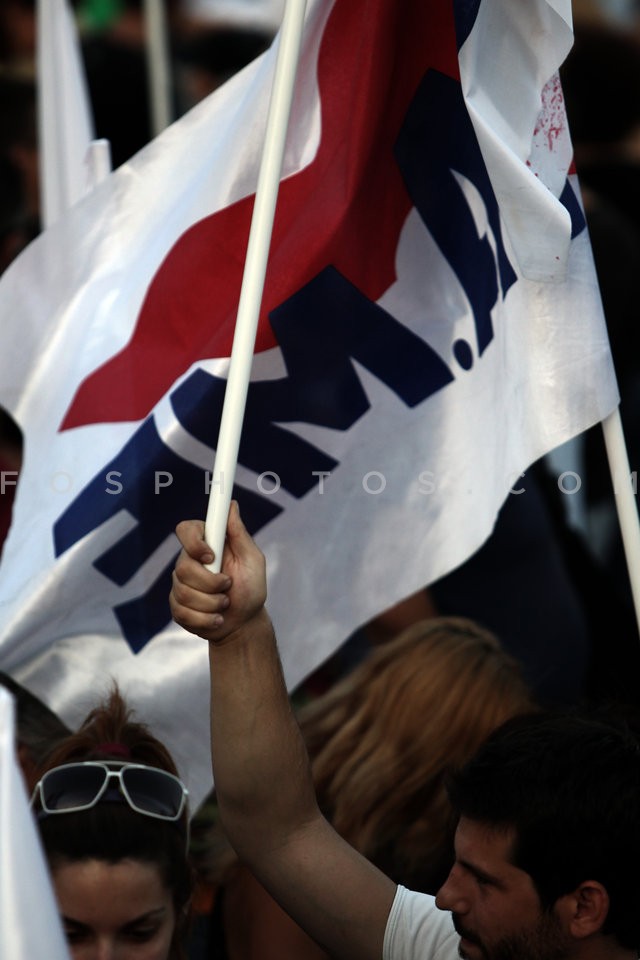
(548,840)
(113,819)
(38,729)
(382,740)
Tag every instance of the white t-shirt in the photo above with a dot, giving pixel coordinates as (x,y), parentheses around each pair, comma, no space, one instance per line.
(417,930)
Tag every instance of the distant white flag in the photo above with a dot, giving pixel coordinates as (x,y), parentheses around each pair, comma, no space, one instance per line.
(247,14)
(425,335)
(30,927)
(64,113)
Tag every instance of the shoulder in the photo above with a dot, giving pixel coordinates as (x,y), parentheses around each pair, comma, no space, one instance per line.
(417,930)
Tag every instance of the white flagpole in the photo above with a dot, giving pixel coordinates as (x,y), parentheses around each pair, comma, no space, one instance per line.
(625,501)
(289,41)
(158,72)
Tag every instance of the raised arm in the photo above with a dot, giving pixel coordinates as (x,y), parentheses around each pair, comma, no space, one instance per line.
(263,784)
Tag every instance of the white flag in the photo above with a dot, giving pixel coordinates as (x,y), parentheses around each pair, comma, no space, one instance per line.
(64,113)
(30,926)
(431,325)
(250,14)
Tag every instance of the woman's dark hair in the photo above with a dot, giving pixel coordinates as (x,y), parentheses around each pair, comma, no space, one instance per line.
(112,832)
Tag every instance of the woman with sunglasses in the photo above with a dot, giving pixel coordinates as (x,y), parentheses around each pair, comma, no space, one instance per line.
(113,820)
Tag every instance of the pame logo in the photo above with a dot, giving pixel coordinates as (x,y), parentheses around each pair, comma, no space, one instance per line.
(322,330)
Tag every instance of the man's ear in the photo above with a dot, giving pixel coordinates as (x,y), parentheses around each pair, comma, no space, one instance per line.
(584,910)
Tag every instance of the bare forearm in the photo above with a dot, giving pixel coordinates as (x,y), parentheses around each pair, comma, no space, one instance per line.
(260,764)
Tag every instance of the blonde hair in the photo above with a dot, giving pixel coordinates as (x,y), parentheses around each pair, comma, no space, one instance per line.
(383,739)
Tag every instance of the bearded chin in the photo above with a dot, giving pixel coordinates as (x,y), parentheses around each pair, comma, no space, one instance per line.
(545,941)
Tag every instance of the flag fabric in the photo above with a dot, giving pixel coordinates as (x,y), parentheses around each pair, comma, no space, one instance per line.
(31,926)
(430,326)
(64,114)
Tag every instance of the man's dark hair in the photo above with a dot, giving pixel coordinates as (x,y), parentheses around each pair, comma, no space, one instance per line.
(569,786)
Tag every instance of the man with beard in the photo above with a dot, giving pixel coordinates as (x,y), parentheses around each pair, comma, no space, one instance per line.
(548,835)
(548,839)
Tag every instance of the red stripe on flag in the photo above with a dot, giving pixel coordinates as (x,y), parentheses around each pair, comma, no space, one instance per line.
(345,209)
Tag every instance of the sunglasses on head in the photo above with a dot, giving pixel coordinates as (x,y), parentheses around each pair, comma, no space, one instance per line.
(80,786)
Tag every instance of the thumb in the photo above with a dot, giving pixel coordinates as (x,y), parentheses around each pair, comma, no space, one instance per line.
(238,538)
(239,541)
(235,526)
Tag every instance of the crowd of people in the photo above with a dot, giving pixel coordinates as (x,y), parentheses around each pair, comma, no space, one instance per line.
(439,786)
(380,741)
(547,828)
(424,806)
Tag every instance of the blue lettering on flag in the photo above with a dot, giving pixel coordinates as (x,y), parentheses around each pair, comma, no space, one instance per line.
(437,139)
(320,331)
(156,516)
